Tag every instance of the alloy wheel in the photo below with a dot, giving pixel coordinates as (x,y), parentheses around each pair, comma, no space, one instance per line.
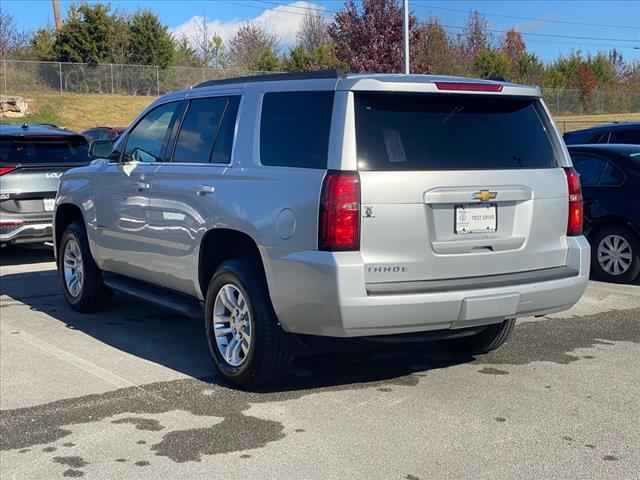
(232,325)
(73,268)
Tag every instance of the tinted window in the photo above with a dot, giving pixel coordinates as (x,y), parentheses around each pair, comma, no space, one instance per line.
(589,167)
(146,141)
(199,130)
(294,129)
(396,131)
(631,136)
(224,143)
(74,150)
(611,176)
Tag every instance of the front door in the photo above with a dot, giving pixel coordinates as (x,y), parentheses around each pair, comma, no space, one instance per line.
(125,238)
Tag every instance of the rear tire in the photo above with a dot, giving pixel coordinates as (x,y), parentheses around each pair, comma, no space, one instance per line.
(88,292)
(261,354)
(615,255)
(490,339)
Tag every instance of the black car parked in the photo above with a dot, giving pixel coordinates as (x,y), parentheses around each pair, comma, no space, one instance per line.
(32,160)
(610,176)
(628,132)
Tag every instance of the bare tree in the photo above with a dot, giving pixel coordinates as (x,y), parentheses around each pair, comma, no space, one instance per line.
(253,48)
(209,45)
(313,32)
(12,41)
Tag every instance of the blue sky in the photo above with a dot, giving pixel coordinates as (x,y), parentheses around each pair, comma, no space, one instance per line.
(606,23)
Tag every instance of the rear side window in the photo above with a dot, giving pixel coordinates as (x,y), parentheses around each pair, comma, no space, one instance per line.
(589,167)
(631,136)
(294,129)
(199,130)
(417,132)
(28,151)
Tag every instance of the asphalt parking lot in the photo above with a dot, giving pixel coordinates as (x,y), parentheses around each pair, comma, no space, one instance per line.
(129,393)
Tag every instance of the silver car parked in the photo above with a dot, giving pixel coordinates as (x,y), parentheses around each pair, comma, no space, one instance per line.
(335,205)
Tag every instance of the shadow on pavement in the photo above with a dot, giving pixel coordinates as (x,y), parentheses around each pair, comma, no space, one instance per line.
(10,256)
(178,343)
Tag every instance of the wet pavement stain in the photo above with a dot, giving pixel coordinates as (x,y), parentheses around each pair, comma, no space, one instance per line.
(610,458)
(141,423)
(73,473)
(47,423)
(411,477)
(567,438)
(554,340)
(300,430)
(25,450)
(141,442)
(589,445)
(244,455)
(385,389)
(49,449)
(548,340)
(142,463)
(73,462)
(69,444)
(493,371)
(234,433)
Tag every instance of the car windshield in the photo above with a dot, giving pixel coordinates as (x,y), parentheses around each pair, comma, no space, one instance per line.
(26,151)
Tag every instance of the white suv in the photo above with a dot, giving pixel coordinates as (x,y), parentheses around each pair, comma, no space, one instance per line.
(332,205)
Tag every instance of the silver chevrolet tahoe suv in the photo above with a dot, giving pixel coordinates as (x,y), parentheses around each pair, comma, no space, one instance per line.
(290,206)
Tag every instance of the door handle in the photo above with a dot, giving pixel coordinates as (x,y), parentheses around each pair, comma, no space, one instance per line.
(142,186)
(203,190)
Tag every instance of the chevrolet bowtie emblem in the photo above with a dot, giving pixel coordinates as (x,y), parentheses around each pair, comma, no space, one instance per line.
(485,195)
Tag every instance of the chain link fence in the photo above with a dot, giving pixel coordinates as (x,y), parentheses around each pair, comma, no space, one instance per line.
(27,77)
(23,76)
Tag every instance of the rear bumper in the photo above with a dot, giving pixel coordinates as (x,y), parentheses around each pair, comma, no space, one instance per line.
(320,293)
(37,232)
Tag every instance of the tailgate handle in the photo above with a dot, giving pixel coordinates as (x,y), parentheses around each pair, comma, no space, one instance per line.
(453,247)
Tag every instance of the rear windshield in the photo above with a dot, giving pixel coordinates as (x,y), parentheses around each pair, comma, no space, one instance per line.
(39,151)
(414,132)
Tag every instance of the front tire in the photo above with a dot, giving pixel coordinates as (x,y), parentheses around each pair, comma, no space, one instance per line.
(248,347)
(81,278)
(615,255)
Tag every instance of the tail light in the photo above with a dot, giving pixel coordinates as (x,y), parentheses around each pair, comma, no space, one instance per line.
(339,226)
(5,170)
(8,226)
(576,210)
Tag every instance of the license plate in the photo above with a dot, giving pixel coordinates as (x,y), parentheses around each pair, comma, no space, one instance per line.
(49,204)
(476,219)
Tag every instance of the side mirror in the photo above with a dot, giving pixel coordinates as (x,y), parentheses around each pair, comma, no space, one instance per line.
(100,149)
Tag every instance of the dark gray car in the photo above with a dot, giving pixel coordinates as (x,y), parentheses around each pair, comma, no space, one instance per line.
(32,160)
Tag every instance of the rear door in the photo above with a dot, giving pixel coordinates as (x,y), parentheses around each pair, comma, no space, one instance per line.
(458,185)
(30,170)
(186,192)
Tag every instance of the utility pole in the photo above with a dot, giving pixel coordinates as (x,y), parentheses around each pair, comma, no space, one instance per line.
(405,37)
(56,14)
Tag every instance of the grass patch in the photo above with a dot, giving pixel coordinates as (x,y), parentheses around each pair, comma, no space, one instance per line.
(79,112)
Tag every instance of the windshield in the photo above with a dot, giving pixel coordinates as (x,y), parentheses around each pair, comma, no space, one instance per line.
(74,150)
(413,132)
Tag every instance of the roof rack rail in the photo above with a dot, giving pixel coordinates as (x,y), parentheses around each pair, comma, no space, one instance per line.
(274,77)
